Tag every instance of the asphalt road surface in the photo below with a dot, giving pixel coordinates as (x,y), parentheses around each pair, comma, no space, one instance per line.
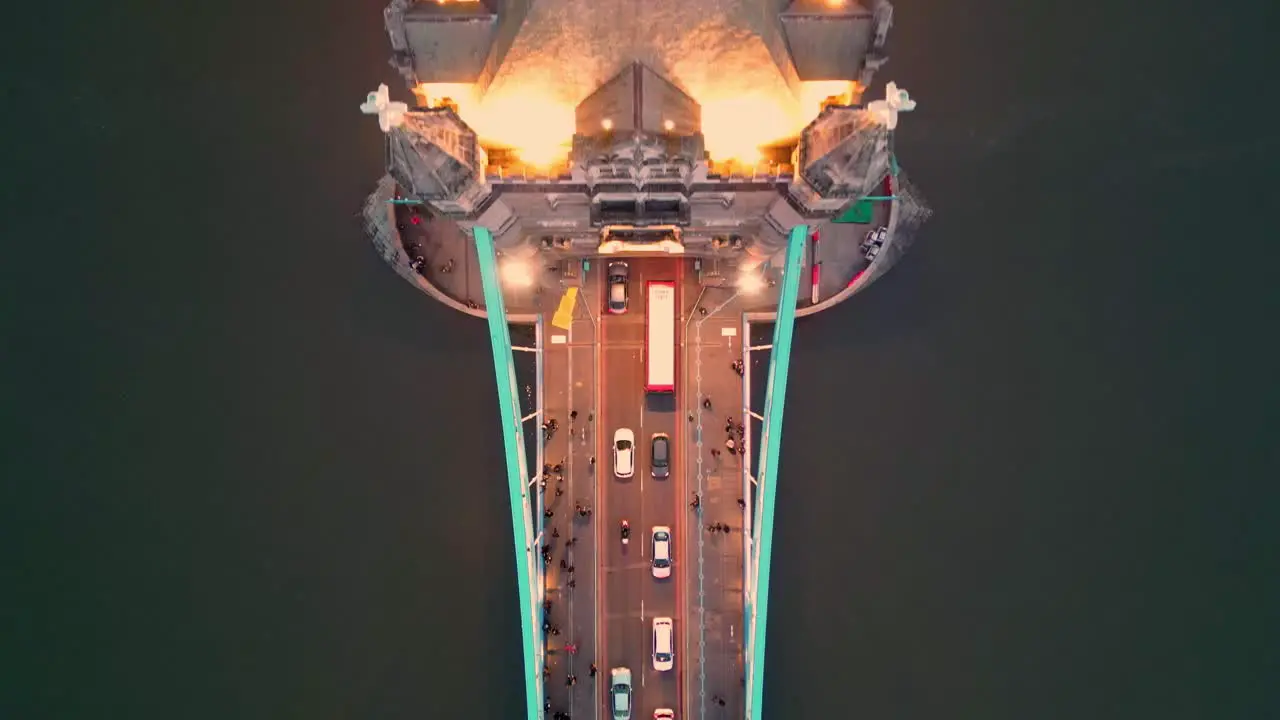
(629,596)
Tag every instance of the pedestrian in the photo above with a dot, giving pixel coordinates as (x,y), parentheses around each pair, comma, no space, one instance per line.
(555,532)
(573,414)
(559,468)
(564,564)
(546,704)
(592,461)
(742,504)
(559,491)
(720,702)
(570,542)
(570,569)
(690,417)
(572,583)
(548,512)
(742,449)
(715,452)
(706,403)
(546,626)
(568,681)
(592,671)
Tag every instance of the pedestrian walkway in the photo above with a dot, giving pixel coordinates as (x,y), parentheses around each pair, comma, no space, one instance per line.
(715,569)
(569,397)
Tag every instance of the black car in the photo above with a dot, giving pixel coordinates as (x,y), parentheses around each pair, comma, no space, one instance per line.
(617,300)
(660,456)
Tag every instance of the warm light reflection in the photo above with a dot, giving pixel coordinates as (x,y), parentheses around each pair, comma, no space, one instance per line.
(516,273)
(539,128)
(815,93)
(750,282)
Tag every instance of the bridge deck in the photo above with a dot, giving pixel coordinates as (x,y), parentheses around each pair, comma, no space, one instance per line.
(596,367)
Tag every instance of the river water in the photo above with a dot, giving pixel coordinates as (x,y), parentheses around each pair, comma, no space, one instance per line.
(253,474)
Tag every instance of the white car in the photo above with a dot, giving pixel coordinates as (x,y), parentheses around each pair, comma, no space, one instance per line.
(664,644)
(661,551)
(624,453)
(664,714)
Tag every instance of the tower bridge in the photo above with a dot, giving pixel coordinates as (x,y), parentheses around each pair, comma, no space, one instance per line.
(570,252)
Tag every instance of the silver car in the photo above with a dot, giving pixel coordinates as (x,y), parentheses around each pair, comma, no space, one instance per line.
(620,693)
(618,274)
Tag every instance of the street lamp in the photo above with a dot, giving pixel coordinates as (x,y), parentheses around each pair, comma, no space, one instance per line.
(515,273)
(750,282)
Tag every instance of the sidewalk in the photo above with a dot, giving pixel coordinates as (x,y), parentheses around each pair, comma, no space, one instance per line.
(716,567)
(569,383)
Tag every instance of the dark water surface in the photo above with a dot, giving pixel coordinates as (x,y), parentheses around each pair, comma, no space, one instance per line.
(249,473)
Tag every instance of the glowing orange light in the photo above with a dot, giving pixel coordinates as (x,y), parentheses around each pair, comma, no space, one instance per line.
(537,123)
(526,119)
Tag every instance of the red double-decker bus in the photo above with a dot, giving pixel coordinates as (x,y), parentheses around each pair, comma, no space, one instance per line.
(660,337)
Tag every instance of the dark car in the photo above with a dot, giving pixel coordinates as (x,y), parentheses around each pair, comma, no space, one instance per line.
(617,300)
(660,456)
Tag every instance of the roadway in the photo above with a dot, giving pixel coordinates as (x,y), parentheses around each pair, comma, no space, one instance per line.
(628,596)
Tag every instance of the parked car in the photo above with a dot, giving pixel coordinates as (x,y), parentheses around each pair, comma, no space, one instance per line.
(872,243)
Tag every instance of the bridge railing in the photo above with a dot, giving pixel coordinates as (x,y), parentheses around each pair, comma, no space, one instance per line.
(522,493)
(760,562)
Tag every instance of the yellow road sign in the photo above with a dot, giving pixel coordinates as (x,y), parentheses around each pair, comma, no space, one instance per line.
(564,313)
